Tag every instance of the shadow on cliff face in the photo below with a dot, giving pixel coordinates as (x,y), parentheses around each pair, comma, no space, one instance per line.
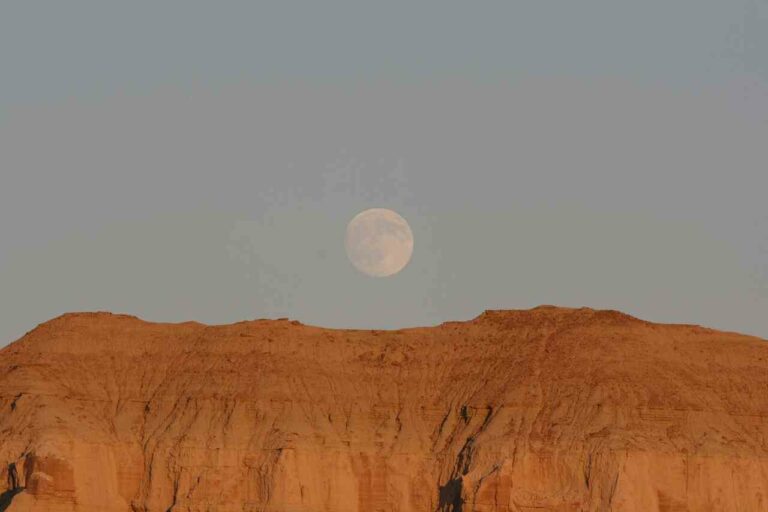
(450,496)
(13,487)
(7,497)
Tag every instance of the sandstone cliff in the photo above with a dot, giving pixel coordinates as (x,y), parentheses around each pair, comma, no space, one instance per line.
(543,410)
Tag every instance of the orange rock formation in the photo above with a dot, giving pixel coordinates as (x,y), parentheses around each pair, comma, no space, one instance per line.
(543,410)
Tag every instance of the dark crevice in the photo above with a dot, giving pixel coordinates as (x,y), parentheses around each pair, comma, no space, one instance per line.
(465,456)
(465,413)
(450,496)
(13,477)
(7,497)
(588,470)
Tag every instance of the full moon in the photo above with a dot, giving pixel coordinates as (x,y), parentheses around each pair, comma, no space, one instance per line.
(379,242)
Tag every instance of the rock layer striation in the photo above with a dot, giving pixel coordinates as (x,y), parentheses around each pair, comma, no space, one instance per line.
(549,409)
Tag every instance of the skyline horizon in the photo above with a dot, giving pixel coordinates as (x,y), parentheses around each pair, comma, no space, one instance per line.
(298,321)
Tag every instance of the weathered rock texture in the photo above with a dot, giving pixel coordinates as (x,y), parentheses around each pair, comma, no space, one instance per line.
(543,410)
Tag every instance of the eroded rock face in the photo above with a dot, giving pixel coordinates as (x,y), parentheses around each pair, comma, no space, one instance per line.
(548,409)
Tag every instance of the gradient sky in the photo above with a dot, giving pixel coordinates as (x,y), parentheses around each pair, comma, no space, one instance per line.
(200,160)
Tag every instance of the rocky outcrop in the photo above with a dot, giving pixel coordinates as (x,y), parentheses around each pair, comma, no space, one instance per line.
(549,409)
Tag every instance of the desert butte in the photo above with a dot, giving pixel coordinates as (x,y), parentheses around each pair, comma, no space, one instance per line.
(549,409)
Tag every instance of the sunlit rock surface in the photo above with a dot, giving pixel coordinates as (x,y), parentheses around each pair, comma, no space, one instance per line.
(543,410)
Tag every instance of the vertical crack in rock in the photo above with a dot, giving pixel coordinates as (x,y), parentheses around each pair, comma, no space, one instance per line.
(464,414)
(14,487)
(588,470)
(13,477)
(450,494)
(15,399)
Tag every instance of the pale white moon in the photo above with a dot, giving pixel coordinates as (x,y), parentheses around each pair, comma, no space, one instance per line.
(379,242)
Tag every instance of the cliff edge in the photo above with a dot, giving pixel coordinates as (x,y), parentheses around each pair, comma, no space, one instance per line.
(549,409)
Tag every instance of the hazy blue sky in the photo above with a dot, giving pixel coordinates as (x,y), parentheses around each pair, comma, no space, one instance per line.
(200,160)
